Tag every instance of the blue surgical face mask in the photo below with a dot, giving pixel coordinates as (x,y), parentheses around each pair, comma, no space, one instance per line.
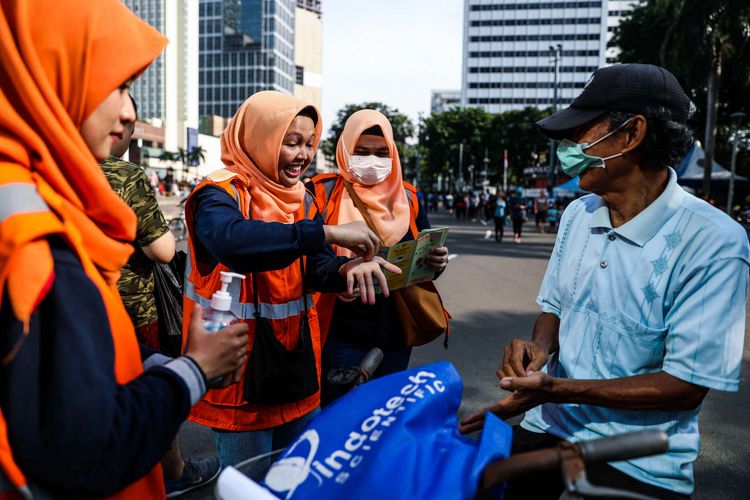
(573,160)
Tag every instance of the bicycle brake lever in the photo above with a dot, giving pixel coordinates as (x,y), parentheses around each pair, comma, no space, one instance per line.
(581,487)
(577,484)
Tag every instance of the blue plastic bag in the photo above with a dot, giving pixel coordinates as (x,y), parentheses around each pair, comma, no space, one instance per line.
(394,437)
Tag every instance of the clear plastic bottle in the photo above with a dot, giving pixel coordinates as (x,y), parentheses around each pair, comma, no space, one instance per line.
(219,314)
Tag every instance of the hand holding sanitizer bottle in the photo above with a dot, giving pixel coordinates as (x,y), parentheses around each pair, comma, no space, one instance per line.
(219,315)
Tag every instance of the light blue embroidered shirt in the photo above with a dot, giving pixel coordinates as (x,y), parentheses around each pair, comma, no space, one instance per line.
(666,292)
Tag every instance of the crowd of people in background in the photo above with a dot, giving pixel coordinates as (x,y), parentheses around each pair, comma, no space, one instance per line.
(513,207)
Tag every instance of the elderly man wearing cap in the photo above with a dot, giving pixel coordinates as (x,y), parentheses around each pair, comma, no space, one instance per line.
(643,301)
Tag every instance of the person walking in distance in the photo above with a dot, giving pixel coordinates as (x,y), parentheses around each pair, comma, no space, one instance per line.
(541,207)
(499,215)
(518,214)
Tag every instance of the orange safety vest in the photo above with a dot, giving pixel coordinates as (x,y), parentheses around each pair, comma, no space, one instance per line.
(328,190)
(27,217)
(281,301)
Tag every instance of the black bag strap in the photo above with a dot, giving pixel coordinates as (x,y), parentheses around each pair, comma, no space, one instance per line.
(255,296)
(304,286)
(362,208)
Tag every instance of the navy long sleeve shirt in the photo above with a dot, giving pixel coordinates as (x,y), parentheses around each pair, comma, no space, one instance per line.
(74,430)
(222,234)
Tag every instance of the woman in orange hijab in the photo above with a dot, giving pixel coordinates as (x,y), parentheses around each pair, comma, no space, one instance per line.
(80,416)
(255,218)
(368,160)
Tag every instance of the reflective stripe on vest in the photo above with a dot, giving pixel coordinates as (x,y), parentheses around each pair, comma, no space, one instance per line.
(20,198)
(246,310)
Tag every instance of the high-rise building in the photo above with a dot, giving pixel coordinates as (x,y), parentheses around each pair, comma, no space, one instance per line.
(308,60)
(148,90)
(443,100)
(167,92)
(308,51)
(511,48)
(245,46)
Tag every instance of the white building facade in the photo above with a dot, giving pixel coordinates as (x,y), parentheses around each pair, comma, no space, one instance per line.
(510,47)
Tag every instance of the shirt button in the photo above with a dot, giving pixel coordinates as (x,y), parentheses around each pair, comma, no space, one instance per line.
(603,264)
(612,237)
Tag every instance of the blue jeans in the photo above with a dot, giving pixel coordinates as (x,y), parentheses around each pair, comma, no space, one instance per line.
(338,353)
(233,447)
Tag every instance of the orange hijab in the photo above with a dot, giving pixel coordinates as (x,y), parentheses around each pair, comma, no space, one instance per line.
(386,201)
(250,147)
(58,61)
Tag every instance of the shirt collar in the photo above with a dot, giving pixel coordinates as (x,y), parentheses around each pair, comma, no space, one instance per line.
(647,223)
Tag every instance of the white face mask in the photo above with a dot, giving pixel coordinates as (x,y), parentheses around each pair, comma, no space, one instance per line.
(369,170)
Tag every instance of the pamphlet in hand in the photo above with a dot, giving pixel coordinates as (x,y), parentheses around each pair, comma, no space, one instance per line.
(411,256)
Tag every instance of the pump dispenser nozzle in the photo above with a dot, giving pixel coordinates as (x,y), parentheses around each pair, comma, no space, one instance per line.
(221,300)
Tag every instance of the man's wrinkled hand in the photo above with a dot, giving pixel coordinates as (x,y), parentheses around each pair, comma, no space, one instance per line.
(522,357)
(533,382)
(527,392)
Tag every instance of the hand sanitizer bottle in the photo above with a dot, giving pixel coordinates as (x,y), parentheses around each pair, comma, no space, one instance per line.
(219,315)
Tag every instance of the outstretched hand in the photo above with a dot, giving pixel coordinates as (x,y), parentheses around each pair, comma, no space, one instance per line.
(528,392)
(363,274)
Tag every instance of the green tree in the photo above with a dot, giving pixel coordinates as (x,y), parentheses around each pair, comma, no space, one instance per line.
(182,156)
(197,155)
(403,128)
(481,133)
(168,156)
(517,132)
(442,135)
(706,44)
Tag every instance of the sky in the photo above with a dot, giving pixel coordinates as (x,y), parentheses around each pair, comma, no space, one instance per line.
(392,51)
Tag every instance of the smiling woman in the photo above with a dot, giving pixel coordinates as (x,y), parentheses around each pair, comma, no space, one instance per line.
(297,147)
(255,218)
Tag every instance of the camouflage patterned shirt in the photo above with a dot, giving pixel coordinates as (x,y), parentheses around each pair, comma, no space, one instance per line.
(136,284)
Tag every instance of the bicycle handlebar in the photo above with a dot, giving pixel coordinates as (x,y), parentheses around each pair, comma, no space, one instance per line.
(609,449)
(624,446)
(371,362)
(352,376)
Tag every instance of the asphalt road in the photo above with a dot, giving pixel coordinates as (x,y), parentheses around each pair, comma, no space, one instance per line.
(490,289)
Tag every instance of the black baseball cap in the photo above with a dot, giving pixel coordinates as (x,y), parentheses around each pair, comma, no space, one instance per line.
(630,88)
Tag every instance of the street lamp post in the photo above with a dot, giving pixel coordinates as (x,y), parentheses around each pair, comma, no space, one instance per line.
(486,162)
(505,171)
(556,52)
(461,166)
(737,119)
(417,175)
